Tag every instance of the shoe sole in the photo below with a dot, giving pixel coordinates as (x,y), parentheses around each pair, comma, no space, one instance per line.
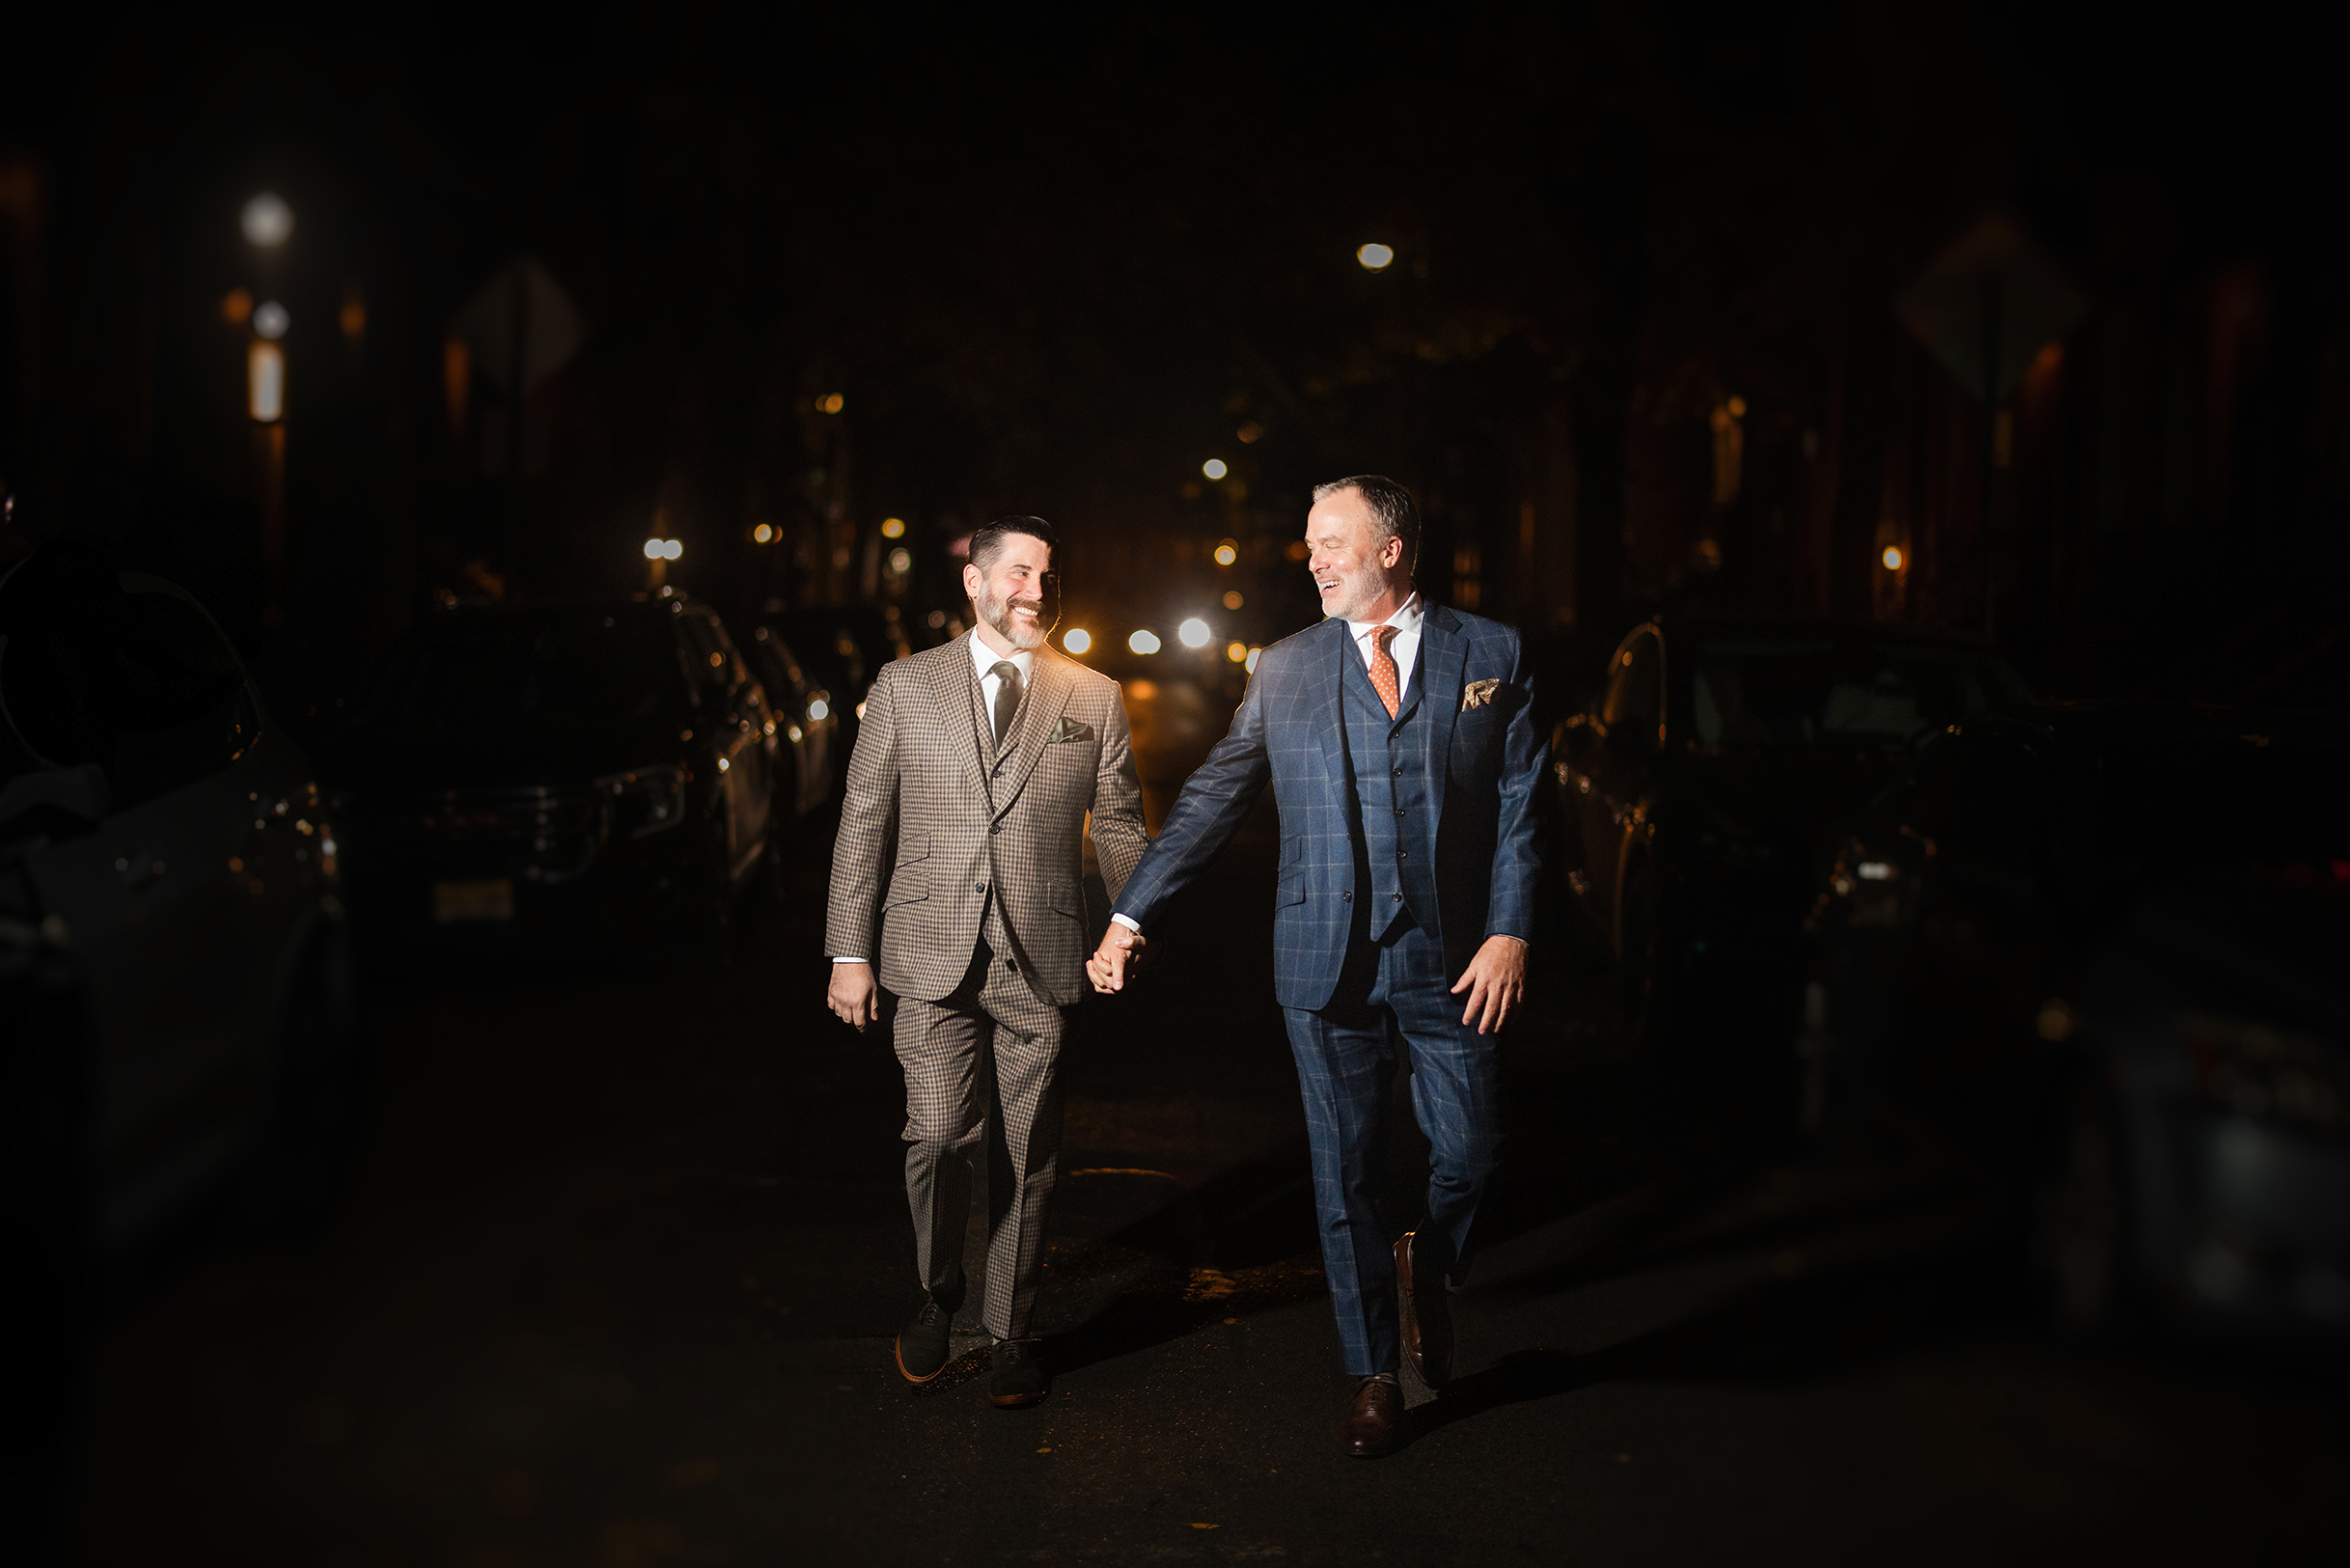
(898,1355)
(1017,1401)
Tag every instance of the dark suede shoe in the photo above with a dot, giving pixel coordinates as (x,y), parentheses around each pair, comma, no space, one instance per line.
(1370,1428)
(1426,1319)
(1018,1376)
(921,1344)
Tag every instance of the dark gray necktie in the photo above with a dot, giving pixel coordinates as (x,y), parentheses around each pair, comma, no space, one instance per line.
(1006,698)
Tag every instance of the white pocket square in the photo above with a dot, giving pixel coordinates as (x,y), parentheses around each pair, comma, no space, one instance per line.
(1479,694)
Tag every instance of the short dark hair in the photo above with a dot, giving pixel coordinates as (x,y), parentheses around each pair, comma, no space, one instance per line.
(985,542)
(1391,508)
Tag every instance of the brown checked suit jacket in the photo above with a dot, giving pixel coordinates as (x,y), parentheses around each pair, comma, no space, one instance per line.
(936,816)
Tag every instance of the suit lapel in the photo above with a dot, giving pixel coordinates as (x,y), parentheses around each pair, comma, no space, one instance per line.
(1441,653)
(1325,704)
(957,689)
(1032,728)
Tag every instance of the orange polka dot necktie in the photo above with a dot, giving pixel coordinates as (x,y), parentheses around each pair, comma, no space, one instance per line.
(1383,669)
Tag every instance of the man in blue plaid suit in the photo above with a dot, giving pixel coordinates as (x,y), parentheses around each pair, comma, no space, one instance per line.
(1399,739)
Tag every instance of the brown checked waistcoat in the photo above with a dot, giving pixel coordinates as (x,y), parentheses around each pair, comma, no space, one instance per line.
(937,818)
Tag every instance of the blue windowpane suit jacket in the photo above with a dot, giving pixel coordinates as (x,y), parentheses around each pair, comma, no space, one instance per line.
(1483,763)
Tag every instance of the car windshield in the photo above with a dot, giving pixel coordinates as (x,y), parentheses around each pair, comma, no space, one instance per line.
(500,672)
(1780,694)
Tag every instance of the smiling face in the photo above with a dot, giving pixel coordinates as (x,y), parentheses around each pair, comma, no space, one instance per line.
(1359,579)
(1008,594)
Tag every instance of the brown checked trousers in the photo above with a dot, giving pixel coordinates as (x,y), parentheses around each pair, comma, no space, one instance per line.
(960,871)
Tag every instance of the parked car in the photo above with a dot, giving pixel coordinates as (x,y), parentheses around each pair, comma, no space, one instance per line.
(804,708)
(1697,794)
(845,646)
(2106,954)
(174,971)
(552,780)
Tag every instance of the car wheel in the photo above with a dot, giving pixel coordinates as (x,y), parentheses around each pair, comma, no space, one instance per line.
(307,1151)
(2080,1217)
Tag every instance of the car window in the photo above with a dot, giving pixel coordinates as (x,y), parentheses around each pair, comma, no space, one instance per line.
(487,673)
(120,671)
(1635,686)
(1790,694)
(1983,797)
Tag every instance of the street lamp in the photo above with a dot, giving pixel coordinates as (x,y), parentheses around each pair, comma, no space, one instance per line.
(268,221)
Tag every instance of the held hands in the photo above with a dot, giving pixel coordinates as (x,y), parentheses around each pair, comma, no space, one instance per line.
(1496,983)
(1122,953)
(852,996)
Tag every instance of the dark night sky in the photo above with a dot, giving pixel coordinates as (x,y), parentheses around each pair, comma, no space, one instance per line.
(1053,260)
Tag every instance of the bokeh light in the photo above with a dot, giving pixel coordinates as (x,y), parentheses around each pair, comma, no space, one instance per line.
(1374,257)
(1077,639)
(268,221)
(1214,468)
(1893,558)
(1237,653)
(893,528)
(1227,553)
(1145,640)
(1194,632)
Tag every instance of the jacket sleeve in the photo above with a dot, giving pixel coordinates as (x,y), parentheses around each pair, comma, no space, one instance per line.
(869,819)
(1215,801)
(1116,823)
(1517,866)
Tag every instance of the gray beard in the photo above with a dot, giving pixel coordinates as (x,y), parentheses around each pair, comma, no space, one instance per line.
(997,613)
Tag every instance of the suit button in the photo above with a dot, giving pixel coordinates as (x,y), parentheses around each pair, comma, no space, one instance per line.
(1402,855)
(995,828)
(1399,773)
(1399,898)
(1346,897)
(979,887)
(1399,810)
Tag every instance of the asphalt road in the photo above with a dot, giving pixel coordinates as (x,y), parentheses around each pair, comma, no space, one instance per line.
(618,1283)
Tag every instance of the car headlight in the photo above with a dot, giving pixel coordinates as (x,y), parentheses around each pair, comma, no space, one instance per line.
(644,800)
(2272,1074)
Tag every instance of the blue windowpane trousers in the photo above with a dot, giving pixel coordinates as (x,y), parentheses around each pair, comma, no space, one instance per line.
(1392,1003)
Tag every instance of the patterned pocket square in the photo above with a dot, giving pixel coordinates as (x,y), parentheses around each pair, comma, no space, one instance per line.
(1069,729)
(1479,694)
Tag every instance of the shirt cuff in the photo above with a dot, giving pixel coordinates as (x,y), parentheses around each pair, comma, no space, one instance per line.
(1127,923)
(849,960)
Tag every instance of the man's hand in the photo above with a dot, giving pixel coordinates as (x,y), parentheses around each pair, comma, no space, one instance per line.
(852,996)
(1496,983)
(1121,954)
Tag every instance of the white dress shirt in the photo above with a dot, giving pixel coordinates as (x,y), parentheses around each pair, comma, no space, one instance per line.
(984,660)
(1405,649)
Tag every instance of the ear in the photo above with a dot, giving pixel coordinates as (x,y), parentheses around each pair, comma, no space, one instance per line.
(1392,552)
(973,580)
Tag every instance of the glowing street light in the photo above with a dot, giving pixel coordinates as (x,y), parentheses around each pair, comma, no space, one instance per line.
(1145,640)
(1375,257)
(764,533)
(1227,553)
(664,549)
(893,528)
(1237,653)
(1077,638)
(1893,558)
(268,221)
(265,382)
(1193,633)
(1214,468)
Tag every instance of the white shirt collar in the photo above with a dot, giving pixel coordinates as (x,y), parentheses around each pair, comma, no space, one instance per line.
(984,659)
(1406,620)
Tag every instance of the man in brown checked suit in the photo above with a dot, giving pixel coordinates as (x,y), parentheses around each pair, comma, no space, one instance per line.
(960,862)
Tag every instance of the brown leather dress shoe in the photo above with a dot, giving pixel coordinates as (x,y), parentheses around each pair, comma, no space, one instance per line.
(1369,1427)
(1426,1318)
